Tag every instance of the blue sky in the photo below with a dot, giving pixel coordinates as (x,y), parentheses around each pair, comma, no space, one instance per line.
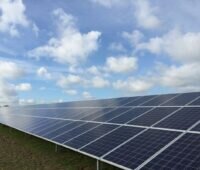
(74,50)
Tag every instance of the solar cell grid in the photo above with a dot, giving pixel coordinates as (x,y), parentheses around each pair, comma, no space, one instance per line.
(153,116)
(61,130)
(196,102)
(112,114)
(111,140)
(49,128)
(137,150)
(90,136)
(44,125)
(196,128)
(130,115)
(97,114)
(183,154)
(182,99)
(75,132)
(140,100)
(182,119)
(159,100)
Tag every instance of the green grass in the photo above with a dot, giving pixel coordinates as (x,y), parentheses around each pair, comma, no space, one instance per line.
(19,151)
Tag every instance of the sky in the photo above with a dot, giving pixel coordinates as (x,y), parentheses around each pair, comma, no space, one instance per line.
(92,49)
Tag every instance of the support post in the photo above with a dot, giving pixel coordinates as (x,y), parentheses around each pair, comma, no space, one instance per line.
(97,165)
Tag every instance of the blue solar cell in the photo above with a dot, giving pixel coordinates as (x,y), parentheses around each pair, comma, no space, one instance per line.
(140,100)
(111,140)
(182,99)
(196,128)
(97,114)
(48,122)
(110,115)
(153,116)
(75,132)
(52,127)
(183,154)
(90,136)
(182,119)
(196,102)
(131,114)
(139,149)
(63,129)
(159,100)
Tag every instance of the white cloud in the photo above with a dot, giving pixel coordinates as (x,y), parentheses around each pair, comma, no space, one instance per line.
(121,64)
(186,76)
(7,92)
(86,95)
(117,47)
(65,81)
(180,47)
(134,37)
(145,15)
(99,82)
(26,101)
(108,3)
(43,72)
(71,92)
(132,85)
(12,14)
(10,70)
(23,87)
(94,70)
(70,46)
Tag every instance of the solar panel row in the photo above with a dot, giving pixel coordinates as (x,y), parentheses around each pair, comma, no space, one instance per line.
(125,132)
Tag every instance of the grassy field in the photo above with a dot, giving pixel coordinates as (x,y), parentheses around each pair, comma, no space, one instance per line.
(19,151)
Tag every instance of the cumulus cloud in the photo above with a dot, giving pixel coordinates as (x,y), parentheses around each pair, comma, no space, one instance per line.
(10,70)
(23,87)
(65,81)
(121,64)
(181,47)
(185,77)
(86,95)
(12,15)
(71,92)
(117,47)
(7,92)
(99,82)
(145,15)
(132,85)
(108,3)
(134,37)
(70,46)
(26,101)
(43,72)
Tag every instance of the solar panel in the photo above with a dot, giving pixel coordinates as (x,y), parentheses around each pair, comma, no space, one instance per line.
(148,132)
(112,114)
(182,119)
(196,102)
(140,100)
(183,154)
(196,128)
(129,115)
(90,136)
(111,140)
(153,116)
(182,99)
(63,129)
(159,100)
(137,150)
(62,138)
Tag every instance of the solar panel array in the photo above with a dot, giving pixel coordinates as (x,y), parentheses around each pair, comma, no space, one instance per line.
(144,132)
